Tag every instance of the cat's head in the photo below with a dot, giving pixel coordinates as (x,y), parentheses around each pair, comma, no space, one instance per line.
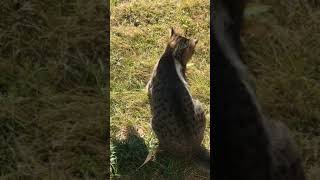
(181,47)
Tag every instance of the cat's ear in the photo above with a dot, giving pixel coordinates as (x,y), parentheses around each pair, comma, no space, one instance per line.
(172,32)
(194,42)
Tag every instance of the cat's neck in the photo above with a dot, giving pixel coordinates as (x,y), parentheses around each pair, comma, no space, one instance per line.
(181,71)
(169,55)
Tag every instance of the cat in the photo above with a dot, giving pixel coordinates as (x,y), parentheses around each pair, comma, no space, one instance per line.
(178,120)
(246,145)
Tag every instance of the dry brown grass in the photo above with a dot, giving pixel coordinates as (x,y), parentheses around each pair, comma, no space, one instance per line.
(53,89)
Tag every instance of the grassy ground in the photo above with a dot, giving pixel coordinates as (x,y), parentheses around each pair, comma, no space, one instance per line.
(53,86)
(281,42)
(139,32)
(281,49)
(53,89)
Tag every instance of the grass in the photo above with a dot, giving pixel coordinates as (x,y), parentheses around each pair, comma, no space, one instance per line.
(53,83)
(281,49)
(53,94)
(139,32)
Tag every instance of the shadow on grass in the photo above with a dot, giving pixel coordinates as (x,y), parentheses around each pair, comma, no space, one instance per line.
(128,153)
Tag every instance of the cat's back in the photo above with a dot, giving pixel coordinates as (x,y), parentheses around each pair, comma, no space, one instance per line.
(168,97)
(165,84)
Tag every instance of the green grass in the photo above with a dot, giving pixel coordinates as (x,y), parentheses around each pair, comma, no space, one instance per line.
(139,32)
(53,90)
(53,87)
(281,49)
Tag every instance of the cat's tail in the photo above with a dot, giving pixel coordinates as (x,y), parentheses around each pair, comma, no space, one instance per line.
(201,158)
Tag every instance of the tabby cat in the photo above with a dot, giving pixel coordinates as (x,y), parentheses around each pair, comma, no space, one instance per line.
(177,119)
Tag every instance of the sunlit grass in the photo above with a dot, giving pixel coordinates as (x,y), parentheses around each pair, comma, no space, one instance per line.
(139,32)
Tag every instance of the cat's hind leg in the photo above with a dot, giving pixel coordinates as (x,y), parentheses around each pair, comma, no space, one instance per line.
(200,117)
